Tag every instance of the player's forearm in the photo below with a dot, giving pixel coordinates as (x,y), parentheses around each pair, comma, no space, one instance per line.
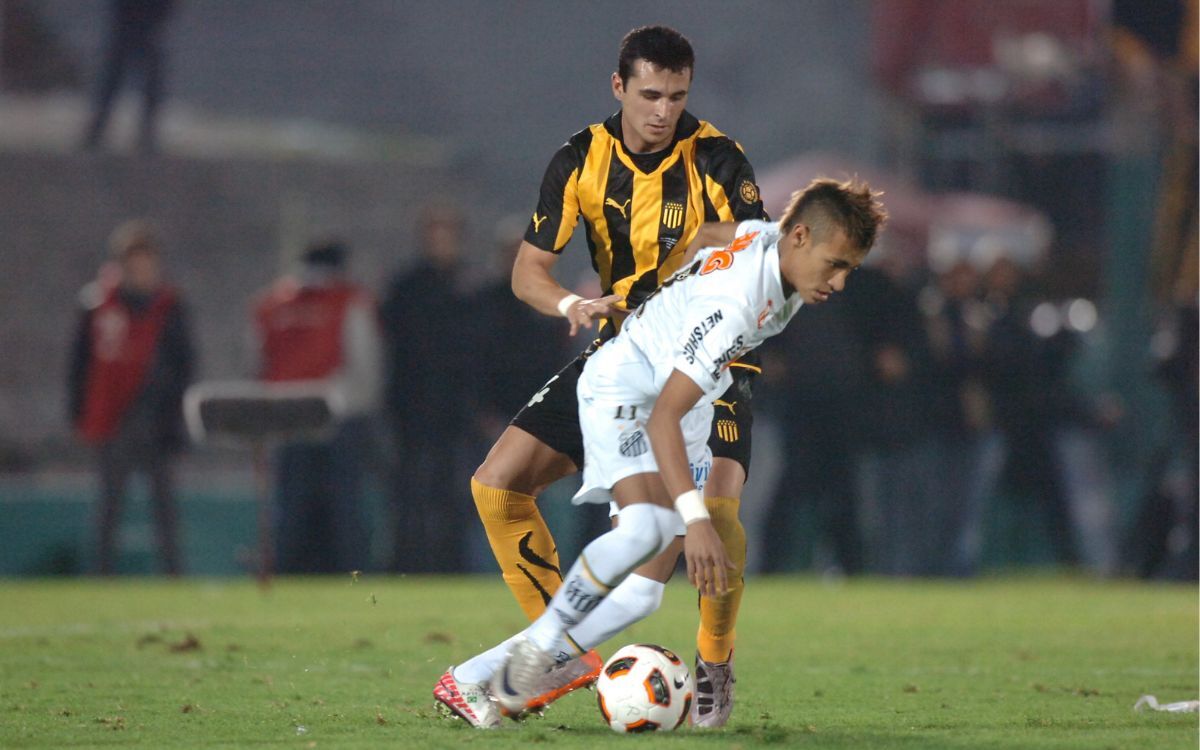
(532,282)
(666,440)
(542,294)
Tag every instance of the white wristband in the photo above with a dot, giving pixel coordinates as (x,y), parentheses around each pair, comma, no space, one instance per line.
(691,506)
(566,302)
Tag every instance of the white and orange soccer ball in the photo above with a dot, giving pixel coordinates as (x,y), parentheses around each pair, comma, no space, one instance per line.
(644,688)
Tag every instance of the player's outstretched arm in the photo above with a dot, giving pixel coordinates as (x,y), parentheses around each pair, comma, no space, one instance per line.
(535,285)
(710,234)
(707,562)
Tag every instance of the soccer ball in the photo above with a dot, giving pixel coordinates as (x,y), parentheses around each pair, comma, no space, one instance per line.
(644,688)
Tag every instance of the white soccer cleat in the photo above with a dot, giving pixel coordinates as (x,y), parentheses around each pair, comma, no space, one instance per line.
(520,677)
(469,701)
(714,693)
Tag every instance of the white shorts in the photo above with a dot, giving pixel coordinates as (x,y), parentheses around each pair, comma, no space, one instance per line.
(616,397)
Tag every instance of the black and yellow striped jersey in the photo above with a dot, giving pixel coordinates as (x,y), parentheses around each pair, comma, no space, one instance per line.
(641,210)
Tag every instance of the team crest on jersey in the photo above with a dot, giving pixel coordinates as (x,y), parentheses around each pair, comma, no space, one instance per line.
(672,215)
(727,430)
(633,444)
(749,191)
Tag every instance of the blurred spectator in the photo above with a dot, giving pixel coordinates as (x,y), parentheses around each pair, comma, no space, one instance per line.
(504,380)
(896,469)
(967,445)
(429,318)
(1163,538)
(135,39)
(321,327)
(820,368)
(1026,367)
(131,362)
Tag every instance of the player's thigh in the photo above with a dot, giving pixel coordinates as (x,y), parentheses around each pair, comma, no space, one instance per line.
(543,443)
(520,462)
(646,487)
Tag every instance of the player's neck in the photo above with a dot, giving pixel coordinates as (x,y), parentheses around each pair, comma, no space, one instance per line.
(634,143)
(785,248)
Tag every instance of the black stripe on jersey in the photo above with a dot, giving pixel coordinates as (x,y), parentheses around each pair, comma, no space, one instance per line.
(673,217)
(672,220)
(544,227)
(618,202)
(722,160)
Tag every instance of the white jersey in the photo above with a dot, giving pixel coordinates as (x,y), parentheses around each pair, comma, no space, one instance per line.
(714,311)
(725,303)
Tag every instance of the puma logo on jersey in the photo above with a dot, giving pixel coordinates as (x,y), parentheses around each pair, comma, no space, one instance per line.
(619,206)
(537,222)
(727,404)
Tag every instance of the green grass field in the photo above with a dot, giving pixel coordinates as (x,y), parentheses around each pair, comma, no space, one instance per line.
(998,663)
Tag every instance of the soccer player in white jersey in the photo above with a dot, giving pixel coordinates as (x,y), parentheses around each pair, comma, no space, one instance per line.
(645,406)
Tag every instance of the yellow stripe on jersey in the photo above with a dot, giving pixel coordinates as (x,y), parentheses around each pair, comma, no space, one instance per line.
(570,211)
(644,222)
(716,196)
(591,185)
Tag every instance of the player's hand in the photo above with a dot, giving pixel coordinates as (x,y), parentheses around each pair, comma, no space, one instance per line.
(708,565)
(582,312)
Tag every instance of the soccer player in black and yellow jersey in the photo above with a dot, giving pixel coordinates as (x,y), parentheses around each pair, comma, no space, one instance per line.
(643,181)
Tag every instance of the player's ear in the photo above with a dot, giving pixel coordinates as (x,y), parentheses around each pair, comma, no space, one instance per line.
(801,234)
(618,86)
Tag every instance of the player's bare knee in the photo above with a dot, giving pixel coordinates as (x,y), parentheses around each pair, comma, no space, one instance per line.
(519,462)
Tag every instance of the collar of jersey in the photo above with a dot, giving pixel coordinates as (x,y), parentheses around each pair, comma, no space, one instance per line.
(684,129)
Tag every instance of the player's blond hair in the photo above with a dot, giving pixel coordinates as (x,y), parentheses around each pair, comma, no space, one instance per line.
(826,204)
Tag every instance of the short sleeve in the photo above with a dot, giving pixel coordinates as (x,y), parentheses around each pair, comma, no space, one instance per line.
(730,186)
(557,209)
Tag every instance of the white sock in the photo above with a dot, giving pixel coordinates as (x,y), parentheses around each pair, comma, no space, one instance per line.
(643,531)
(635,599)
(480,668)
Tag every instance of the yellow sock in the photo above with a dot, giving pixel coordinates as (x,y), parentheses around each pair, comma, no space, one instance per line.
(718,615)
(522,544)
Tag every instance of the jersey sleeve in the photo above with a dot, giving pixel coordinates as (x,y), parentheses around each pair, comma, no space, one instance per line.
(557,209)
(716,336)
(730,190)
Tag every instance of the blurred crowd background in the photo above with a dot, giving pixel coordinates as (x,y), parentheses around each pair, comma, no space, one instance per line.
(1011,381)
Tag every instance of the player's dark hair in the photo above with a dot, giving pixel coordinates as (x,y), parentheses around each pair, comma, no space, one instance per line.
(660,46)
(826,205)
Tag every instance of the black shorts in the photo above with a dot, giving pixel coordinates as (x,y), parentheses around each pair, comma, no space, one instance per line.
(552,415)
